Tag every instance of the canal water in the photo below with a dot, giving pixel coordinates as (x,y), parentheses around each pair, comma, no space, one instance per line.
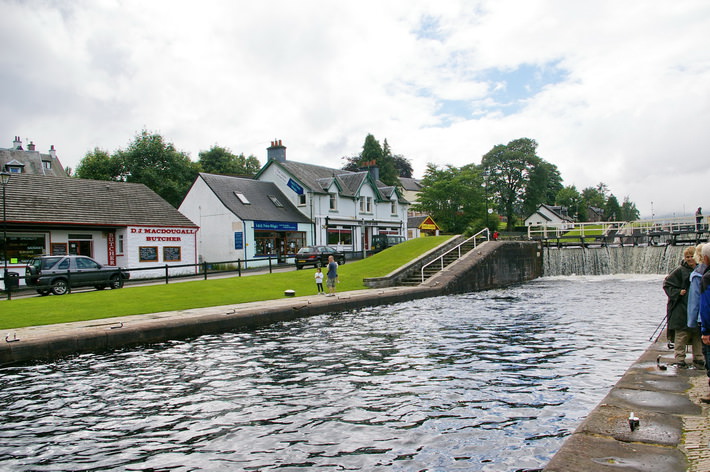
(489,381)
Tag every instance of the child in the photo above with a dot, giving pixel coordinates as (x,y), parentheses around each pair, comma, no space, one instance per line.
(319,281)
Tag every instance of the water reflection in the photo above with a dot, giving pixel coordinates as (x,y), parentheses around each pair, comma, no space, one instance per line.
(484,381)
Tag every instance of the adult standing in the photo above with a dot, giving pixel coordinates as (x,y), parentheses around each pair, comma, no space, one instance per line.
(332,276)
(698,219)
(705,308)
(676,285)
(696,276)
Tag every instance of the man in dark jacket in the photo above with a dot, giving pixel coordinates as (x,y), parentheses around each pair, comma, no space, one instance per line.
(676,285)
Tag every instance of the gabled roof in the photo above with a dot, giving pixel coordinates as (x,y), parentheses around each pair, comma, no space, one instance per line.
(319,178)
(65,200)
(413,185)
(556,211)
(261,206)
(31,162)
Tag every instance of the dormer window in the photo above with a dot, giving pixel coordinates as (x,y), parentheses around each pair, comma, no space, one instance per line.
(275,201)
(47,164)
(242,198)
(14,166)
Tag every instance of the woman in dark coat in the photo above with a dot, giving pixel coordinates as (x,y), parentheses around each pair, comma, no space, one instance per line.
(676,285)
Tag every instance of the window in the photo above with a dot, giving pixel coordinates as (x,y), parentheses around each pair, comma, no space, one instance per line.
(393,207)
(302,199)
(119,248)
(242,198)
(172,254)
(365,204)
(340,236)
(47,164)
(148,254)
(333,202)
(275,201)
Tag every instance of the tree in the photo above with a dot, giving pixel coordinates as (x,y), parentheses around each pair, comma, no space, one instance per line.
(569,197)
(98,165)
(595,196)
(219,160)
(507,169)
(612,209)
(629,212)
(452,196)
(382,157)
(403,166)
(158,165)
(544,182)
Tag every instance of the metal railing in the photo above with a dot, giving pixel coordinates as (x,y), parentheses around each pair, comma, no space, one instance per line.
(456,249)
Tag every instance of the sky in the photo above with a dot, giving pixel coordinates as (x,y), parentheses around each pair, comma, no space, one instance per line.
(612,91)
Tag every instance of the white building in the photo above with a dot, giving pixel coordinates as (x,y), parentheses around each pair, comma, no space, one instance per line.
(347,208)
(548,215)
(116,223)
(244,219)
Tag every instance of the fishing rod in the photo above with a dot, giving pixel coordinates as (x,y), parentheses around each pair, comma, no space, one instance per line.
(660,326)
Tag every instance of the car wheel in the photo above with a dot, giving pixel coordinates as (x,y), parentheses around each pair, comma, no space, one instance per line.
(43,292)
(99,287)
(60,287)
(116,282)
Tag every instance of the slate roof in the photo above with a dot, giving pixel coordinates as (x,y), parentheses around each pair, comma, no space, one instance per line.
(257,192)
(413,185)
(319,179)
(31,162)
(40,199)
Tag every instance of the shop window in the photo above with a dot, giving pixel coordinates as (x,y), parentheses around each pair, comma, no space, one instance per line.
(20,247)
(148,254)
(172,254)
(340,236)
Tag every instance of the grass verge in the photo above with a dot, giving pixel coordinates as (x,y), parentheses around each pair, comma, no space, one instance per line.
(203,293)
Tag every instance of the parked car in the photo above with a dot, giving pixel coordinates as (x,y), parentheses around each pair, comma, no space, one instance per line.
(383,241)
(317,256)
(57,274)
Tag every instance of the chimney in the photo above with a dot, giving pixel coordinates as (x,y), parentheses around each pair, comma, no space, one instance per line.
(52,152)
(17,144)
(31,146)
(372,169)
(276,152)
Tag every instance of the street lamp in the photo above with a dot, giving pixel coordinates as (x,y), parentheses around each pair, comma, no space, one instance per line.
(4,179)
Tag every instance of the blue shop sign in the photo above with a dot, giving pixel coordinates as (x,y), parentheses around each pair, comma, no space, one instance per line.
(239,240)
(275,226)
(293,185)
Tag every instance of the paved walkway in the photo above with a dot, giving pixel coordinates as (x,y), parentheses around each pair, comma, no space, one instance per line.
(673,430)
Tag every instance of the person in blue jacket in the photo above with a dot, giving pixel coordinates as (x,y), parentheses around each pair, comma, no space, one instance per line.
(705,307)
(699,357)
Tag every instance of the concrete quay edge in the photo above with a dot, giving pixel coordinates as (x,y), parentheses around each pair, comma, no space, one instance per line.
(673,433)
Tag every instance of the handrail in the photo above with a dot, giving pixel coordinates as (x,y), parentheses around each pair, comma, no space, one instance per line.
(456,248)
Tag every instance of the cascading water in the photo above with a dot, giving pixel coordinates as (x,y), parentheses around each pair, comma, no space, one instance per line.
(611,260)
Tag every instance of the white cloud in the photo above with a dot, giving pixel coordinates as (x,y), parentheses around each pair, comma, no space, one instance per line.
(632,108)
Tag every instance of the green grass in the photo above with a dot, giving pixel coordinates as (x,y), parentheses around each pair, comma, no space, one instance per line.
(202,293)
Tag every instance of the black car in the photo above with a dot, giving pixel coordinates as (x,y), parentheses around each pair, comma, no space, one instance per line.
(57,274)
(317,256)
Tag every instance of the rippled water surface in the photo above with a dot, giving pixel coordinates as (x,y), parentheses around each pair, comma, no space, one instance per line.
(489,381)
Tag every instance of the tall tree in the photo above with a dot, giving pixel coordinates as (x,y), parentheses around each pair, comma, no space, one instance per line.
(452,196)
(544,183)
(596,196)
(571,198)
(97,165)
(390,167)
(403,166)
(157,164)
(220,160)
(612,209)
(629,212)
(507,169)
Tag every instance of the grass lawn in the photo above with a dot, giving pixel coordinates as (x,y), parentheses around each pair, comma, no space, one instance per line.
(201,293)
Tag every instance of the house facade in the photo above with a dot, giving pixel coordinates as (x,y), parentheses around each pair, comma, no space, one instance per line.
(18,160)
(548,215)
(244,219)
(347,208)
(116,223)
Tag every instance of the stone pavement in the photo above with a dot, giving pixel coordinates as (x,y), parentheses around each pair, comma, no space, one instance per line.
(673,432)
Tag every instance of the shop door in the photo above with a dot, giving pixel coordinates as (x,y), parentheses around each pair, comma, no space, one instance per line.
(80,248)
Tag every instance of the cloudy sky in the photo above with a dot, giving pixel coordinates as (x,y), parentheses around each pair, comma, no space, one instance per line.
(613,91)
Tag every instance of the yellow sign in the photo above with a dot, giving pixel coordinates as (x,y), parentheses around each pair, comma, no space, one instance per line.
(427,226)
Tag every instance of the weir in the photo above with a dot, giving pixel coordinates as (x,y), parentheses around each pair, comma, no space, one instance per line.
(611,260)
